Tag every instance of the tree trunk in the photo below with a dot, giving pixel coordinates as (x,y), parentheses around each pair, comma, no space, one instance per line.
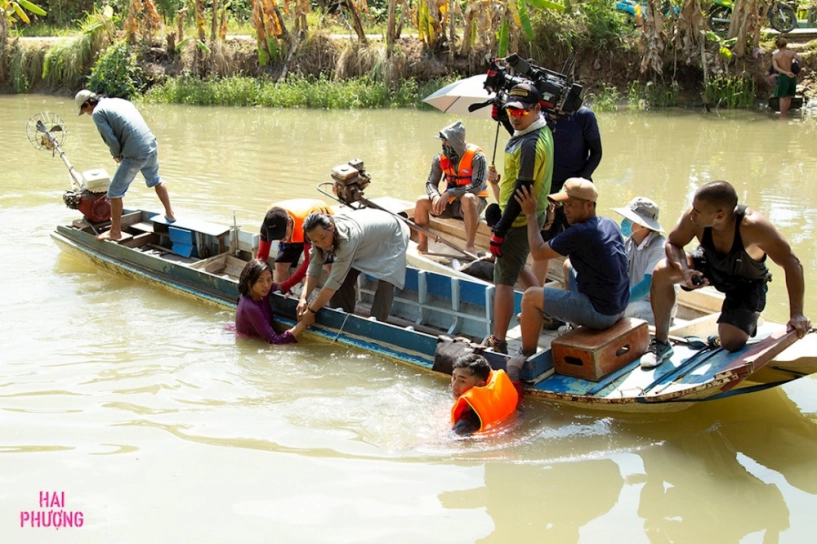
(467,25)
(452,33)
(356,24)
(392,24)
(214,22)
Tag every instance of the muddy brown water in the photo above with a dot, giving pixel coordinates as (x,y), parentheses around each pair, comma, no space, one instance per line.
(156,424)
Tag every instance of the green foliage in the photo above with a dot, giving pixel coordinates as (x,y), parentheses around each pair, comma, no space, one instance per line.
(26,67)
(643,96)
(594,24)
(68,61)
(294,92)
(606,100)
(116,73)
(731,92)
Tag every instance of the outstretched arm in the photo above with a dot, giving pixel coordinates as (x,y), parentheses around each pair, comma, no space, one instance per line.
(762,233)
(539,249)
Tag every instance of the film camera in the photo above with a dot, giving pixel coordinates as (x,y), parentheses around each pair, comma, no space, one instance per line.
(560,95)
(349,181)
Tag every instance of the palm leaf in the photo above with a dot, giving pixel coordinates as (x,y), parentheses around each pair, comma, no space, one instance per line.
(524,19)
(546,4)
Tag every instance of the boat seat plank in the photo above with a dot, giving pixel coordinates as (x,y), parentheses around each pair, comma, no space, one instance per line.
(143,226)
(196,225)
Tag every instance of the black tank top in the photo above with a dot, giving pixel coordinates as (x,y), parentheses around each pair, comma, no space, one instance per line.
(730,270)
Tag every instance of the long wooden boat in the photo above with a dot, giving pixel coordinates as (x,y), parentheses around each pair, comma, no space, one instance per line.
(204,260)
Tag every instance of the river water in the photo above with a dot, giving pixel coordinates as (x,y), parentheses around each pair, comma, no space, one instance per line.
(152,423)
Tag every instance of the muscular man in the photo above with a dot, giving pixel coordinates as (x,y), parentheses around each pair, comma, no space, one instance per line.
(786,86)
(528,163)
(577,154)
(133,147)
(370,241)
(462,166)
(284,222)
(734,243)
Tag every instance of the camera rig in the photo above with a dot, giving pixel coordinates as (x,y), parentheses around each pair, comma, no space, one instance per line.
(560,95)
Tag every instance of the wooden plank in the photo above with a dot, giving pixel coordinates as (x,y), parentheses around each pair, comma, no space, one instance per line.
(203,227)
(141,240)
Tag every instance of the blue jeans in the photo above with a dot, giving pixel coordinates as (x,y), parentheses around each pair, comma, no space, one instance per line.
(127,170)
(575,307)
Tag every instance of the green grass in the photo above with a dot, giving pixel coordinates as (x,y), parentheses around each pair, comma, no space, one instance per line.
(731,92)
(294,92)
(605,100)
(643,96)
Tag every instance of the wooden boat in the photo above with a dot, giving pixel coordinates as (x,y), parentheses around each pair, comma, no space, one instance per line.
(204,260)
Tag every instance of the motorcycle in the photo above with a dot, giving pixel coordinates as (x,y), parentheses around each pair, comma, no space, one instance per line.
(782,17)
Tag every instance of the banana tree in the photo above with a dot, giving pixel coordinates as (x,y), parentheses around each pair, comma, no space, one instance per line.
(142,13)
(499,23)
(270,29)
(13,11)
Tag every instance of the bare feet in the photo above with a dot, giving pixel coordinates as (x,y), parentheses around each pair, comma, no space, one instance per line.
(471,249)
(170,218)
(422,249)
(109,235)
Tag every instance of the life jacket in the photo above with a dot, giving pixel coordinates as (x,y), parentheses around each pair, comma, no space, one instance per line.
(492,402)
(299,209)
(461,176)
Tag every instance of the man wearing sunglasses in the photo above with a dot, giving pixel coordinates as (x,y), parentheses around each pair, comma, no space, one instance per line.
(528,163)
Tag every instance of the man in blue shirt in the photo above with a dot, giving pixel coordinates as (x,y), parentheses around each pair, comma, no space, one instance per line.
(133,147)
(577,154)
(599,287)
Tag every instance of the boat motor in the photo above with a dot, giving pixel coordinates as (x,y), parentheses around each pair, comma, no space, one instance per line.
(89,190)
(349,181)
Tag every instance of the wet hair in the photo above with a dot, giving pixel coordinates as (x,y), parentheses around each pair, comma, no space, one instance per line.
(719,194)
(477,364)
(250,274)
(314,220)
(782,42)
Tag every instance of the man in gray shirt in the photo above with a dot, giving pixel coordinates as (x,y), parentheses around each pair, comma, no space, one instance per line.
(133,147)
(370,241)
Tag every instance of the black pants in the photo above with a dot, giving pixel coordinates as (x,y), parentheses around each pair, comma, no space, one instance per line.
(344,298)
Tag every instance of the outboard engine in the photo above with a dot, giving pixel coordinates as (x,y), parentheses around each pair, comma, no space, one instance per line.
(89,191)
(91,197)
(350,180)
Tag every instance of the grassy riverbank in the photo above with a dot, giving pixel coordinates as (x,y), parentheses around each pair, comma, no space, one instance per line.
(294,92)
(593,43)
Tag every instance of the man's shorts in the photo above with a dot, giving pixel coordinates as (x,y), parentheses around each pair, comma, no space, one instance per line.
(289,253)
(786,86)
(515,251)
(742,303)
(127,170)
(454,209)
(575,307)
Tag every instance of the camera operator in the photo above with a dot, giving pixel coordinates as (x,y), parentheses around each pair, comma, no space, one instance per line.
(528,163)
(577,148)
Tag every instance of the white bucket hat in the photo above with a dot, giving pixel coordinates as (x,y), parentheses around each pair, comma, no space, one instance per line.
(643,211)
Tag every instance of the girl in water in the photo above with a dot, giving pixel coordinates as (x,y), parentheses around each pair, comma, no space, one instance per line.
(253,317)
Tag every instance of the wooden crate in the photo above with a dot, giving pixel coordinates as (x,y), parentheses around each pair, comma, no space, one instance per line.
(592,354)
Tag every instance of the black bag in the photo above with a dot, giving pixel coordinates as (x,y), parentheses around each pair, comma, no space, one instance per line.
(450,349)
(795,66)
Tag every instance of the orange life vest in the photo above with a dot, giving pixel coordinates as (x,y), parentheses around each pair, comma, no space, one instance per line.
(461,176)
(492,402)
(299,209)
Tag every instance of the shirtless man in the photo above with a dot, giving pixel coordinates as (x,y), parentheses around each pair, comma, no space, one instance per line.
(735,241)
(786,86)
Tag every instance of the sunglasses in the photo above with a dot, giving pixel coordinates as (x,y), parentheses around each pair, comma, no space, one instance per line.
(514,112)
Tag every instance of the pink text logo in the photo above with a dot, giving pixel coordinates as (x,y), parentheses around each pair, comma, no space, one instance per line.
(52,513)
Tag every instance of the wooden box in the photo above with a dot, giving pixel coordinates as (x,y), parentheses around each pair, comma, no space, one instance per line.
(592,354)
